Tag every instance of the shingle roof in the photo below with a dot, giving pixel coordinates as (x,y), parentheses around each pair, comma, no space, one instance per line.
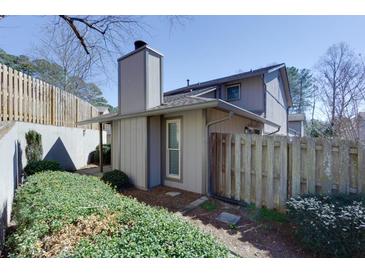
(182,100)
(185,99)
(217,81)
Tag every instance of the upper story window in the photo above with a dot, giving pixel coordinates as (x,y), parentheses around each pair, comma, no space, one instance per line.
(233,92)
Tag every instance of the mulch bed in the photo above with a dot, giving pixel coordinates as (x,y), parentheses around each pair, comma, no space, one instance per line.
(249,238)
(158,197)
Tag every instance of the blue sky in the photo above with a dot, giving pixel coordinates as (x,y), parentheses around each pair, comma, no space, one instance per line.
(206,47)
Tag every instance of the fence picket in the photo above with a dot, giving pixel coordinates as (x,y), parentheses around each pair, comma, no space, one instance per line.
(295,187)
(10,95)
(237,166)
(258,170)
(270,173)
(228,170)
(311,165)
(360,168)
(247,189)
(344,185)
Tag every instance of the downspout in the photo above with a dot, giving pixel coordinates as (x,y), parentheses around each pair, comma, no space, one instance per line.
(207,176)
(275,131)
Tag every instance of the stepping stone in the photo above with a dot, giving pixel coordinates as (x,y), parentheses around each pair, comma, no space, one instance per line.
(194,204)
(228,218)
(173,193)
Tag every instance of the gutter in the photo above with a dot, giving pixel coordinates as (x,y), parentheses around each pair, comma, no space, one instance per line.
(208,104)
(207,175)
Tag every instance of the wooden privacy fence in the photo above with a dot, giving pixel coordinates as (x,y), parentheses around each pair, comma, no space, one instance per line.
(267,170)
(27,99)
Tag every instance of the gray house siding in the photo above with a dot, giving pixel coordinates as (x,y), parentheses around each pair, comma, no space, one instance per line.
(276,105)
(140,81)
(234,125)
(153,81)
(132,83)
(130,149)
(192,151)
(252,94)
(297,127)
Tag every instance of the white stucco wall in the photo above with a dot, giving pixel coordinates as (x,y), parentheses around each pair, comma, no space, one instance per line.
(8,176)
(70,146)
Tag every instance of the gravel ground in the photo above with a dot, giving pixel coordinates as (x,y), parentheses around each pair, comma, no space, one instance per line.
(250,238)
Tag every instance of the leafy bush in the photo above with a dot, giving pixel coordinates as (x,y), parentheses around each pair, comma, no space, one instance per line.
(116,178)
(39,166)
(329,225)
(94,155)
(53,206)
(34,149)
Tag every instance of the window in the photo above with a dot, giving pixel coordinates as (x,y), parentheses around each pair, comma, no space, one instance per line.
(173,153)
(233,92)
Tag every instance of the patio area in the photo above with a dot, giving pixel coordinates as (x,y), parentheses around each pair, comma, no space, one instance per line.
(93,170)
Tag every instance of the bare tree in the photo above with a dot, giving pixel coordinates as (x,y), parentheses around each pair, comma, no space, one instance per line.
(341,85)
(61,47)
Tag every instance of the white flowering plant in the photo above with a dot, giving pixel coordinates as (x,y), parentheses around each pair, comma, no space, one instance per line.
(329,226)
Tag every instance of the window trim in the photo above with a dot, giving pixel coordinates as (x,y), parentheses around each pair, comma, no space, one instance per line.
(178,123)
(239,92)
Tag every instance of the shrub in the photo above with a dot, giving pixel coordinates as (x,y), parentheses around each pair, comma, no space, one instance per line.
(33,150)
(116,178)
(39,166)
(97,222)
(329,225)
(94,155)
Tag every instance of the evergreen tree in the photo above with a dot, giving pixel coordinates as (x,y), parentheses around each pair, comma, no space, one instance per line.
(302,87)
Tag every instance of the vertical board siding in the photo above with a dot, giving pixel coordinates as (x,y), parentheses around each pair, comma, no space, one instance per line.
(131,146)
(26,99)
(267,170)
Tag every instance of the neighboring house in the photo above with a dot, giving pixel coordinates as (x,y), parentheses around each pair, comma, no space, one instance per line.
(162,138)
(296,124)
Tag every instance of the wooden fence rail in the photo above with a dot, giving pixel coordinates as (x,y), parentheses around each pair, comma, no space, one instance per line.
(267,170)
(27,99)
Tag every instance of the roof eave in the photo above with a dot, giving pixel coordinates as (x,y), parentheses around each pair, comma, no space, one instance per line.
(245,113)
(100,119)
